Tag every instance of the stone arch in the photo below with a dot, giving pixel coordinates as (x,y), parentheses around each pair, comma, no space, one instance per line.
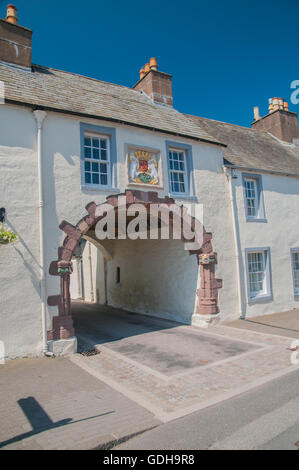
(207,294)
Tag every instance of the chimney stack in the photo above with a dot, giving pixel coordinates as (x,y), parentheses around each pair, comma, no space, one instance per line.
(280,122)
(15,40)
(157,85)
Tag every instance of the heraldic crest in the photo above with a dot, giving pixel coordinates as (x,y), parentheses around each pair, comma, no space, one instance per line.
(143,168)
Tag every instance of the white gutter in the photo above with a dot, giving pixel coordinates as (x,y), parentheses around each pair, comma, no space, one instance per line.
(236,238)
(39,117)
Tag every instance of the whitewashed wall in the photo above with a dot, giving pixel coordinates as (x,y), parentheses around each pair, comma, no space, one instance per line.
(66,200)
(152,280)
(20,308)
(280,232)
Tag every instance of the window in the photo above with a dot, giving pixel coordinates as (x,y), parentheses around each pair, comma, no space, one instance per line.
(258,273)
(177,169)
(118,275)
(98,157)
(253,195)
(96,160)
(295,264)
(180,169)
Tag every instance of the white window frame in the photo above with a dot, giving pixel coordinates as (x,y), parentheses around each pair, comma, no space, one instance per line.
(295,251)
(182,172)
(256,180)
(99,161)
(255,198)
(266,292)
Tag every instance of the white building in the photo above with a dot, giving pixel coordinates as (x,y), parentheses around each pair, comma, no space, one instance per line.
(68,142)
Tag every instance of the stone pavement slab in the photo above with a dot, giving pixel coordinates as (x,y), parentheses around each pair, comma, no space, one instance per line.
(170,396)
(281,324)
(50,403)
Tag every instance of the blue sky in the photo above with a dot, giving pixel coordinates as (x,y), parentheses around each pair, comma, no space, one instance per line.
(225,56)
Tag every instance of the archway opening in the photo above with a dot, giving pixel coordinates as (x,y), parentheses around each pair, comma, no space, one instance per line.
(152,277)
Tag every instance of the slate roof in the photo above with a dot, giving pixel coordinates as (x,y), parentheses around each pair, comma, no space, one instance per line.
(65,91)
(252,149)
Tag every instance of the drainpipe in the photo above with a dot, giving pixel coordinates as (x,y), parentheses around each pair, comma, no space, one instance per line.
(233,205)
(39,117)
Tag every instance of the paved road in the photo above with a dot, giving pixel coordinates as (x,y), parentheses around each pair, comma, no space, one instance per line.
(264,418)
(48,404)
(162,345)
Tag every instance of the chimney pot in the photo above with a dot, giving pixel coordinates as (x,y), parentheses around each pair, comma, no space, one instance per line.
(141,73)
(147,68)
(256,111)
(153,63)
(11,15)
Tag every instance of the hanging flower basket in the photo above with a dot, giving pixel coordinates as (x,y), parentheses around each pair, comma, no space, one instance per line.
(7,236)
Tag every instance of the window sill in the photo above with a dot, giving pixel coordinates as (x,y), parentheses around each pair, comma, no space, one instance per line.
(145,185)
(260,298)
(256,219)
(95,187)
(183,196)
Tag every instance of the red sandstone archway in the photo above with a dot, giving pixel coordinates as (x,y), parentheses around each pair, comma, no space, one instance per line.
(62,327)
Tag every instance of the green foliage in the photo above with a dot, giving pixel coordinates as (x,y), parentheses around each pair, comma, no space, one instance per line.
(7,236)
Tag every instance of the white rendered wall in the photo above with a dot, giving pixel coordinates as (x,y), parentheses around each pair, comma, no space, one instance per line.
(280,232)
(20,306)
(152,280)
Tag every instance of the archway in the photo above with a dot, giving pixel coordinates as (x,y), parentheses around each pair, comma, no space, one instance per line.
(207,294)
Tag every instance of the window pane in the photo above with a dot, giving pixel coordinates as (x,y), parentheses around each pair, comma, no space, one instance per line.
(95,167)
(96,154)
(87,141)
(87,166)
(103,143)
(87,177)
(95,142)
(87,152)
(103,154)
(296,261)
(95,178)
(103,168)
(104,179)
